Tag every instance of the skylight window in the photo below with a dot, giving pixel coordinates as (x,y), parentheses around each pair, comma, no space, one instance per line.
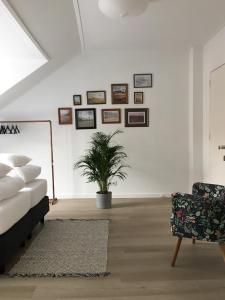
(19,54)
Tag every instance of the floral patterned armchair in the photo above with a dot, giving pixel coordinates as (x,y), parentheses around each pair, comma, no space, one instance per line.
(200,216)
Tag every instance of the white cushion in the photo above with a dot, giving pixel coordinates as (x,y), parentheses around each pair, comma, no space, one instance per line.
(14,160)
(28,173)
(9,186)
(4,170)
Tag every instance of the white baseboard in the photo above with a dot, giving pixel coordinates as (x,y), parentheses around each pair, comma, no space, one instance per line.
(132,196)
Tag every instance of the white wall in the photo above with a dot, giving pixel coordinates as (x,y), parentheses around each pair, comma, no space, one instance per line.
(158,155)
(214,57)
(195,115)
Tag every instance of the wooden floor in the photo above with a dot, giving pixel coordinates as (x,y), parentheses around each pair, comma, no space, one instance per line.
(139,254)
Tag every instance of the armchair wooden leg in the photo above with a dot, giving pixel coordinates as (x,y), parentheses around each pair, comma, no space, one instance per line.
(176,250)
(193,241)
(222,248)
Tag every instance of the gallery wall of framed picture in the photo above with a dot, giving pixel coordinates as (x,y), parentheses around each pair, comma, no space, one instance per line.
(119,93)
(111,116)
(86,118)
(96,97)
(138,97)
(77,100)
(65,115)
(142,80)
(136,117)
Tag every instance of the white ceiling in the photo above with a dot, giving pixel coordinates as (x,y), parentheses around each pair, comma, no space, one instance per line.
(52,23)
(166,23)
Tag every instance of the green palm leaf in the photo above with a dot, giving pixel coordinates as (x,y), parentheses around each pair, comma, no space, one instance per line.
(103,162)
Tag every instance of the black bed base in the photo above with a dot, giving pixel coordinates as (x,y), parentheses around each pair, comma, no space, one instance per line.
(11,240)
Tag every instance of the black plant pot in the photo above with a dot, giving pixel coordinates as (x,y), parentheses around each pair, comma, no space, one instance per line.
(103,201)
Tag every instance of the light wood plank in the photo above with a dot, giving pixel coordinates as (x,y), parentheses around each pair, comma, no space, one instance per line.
(139,255)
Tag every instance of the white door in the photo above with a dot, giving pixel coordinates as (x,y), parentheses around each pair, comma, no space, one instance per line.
(217,126)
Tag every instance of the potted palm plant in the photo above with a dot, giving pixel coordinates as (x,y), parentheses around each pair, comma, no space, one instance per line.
(102,163)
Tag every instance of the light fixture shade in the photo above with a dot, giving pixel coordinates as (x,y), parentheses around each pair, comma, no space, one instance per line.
(122,8)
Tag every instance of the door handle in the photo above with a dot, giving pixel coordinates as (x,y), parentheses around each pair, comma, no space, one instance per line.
(221,147)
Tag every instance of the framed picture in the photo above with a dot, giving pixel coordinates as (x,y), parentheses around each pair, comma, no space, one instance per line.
(136,117)
(119,93)
(85,118)
(138,97)
(111,116)
(142,80)
(65,115)
(96,97)
(77,100)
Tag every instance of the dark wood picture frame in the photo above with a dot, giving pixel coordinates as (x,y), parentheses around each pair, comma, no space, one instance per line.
(143,80)
(65,115)
(104,119)
(91,100)
(138,97)
(137,117)
(77,100)
(119,93)
(87,122)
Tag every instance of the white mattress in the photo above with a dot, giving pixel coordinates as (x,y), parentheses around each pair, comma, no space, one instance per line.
(37,189)
(13,209)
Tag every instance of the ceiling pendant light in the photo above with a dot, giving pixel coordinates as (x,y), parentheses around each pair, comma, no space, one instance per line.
(122,8)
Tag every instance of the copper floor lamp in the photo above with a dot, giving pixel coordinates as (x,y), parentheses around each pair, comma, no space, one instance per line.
(54,199)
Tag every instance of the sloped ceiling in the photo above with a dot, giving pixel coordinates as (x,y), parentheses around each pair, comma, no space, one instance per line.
(62,27)
(52,23)
(165,24)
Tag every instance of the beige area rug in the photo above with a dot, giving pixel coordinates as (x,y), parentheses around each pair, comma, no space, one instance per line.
(66,248)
